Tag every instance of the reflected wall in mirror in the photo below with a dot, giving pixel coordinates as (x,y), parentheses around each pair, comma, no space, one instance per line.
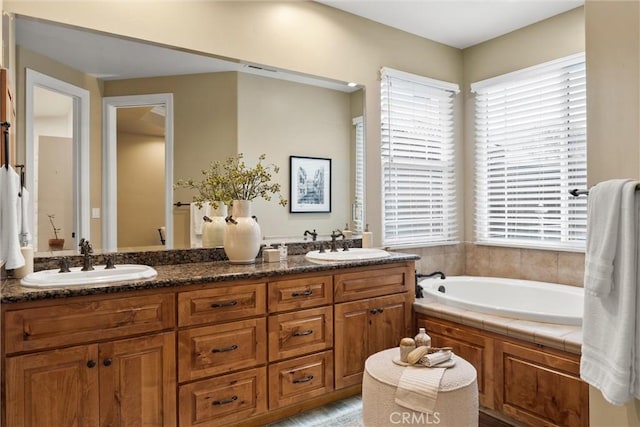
(219,113)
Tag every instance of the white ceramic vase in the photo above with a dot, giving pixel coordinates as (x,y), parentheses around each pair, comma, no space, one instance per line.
(213,232)
(242,234)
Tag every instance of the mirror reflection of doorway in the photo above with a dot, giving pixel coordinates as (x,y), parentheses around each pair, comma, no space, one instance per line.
(53,138)
(137,169)
(141,175)
(57,157)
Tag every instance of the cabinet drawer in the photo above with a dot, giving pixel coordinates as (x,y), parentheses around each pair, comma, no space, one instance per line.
(224,400)
(300,379)
(221,304)
(221,348)
(300,293)
(300,332)
(371,283)
(86,321)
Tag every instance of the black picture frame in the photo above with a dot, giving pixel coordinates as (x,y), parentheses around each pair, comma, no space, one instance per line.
(309,184)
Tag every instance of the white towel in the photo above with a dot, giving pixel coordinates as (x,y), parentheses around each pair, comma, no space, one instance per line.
(9,226)
(25,216)
(603,218)
(418,388)
(609,329)
(197,222)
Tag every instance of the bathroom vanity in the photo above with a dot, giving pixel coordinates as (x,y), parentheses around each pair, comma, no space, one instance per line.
(202,344)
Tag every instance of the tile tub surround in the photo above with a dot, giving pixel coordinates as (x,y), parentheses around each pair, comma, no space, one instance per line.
(469,259)
(189,274)
(561,337)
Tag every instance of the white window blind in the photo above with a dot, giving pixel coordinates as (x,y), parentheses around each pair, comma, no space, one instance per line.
(358,203)
(418,161)
(530,151)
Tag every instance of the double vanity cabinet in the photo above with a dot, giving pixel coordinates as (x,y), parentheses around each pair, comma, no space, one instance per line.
(247,346)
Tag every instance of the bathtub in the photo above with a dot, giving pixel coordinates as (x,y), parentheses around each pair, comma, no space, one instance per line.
(520,299)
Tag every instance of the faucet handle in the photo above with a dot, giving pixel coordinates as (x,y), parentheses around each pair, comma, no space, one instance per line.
(110,262)
(64,265)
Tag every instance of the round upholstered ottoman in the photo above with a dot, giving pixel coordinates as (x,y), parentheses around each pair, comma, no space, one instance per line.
(454,404)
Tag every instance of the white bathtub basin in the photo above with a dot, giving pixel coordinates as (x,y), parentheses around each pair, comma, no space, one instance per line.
(353,254)
(122,272)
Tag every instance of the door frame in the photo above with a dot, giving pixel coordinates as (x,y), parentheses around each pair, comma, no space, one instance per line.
(110,105)
(81,145)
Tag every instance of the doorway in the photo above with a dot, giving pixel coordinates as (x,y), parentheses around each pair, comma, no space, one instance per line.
(57,160)
(137,154)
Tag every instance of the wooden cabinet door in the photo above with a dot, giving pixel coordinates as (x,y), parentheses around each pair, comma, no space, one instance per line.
(475,347)
(388,320)
(351,341)
(363,328)
(138,382)
(53,388)
(540,388)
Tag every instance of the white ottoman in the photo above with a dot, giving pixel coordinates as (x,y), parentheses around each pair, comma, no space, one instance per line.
(455,406)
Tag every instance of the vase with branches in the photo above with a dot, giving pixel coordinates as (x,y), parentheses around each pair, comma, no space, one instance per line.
(55,244)
(235,184)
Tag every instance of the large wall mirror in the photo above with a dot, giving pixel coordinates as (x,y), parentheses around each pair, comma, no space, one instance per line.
(220,107)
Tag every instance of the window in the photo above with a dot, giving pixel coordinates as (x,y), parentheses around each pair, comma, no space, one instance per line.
(418,162)
(530,151)
(358,190)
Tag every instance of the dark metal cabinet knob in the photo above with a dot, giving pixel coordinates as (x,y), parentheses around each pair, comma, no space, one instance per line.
(91,364)
(107,362)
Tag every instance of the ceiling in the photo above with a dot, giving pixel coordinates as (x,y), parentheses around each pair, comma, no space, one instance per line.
(456,23)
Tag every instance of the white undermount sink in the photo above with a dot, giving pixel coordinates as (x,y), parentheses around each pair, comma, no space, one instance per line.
(75,277)
(353,254)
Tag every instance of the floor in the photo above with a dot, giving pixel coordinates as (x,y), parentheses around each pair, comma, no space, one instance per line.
(347,413)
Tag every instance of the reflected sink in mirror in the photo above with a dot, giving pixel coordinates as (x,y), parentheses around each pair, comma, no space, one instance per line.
(76,277)
(353,254)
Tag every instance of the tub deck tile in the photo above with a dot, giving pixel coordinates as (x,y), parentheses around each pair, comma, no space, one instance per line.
(561,337)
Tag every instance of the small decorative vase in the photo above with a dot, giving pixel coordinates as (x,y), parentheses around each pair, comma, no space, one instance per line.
(242,234)
(213,232)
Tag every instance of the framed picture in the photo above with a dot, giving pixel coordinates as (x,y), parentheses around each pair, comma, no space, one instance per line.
(310,184)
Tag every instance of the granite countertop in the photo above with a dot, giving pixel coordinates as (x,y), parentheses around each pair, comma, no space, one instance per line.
(189,274)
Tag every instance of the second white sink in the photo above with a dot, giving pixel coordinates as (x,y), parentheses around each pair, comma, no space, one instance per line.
(353,254)
(76,277)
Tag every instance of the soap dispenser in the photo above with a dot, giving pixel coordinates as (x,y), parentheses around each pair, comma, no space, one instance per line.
(347,233)
(367,237)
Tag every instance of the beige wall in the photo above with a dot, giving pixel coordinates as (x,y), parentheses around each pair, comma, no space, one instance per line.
(290,119)
(55,154)
(613,118)
(140,189)
(553,38)
(301,36)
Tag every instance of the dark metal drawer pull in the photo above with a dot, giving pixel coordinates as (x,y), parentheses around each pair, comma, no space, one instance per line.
(302,334)
(222,350)
(224,402)
(373,311)
(302,294)
(303,380)
(224,304)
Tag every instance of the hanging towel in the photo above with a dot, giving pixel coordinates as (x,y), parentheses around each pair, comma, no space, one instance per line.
(418,388)
(197,222)
(25,216)
(603,217)
(610,306)
(9,225)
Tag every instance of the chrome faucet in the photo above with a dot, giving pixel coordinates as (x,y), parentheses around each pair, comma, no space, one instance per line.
(86,249)
(334,235)
(313,234)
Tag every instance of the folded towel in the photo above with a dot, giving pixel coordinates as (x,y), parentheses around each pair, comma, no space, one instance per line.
(603,219)
(9,226)
(433,359)
(418,388)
